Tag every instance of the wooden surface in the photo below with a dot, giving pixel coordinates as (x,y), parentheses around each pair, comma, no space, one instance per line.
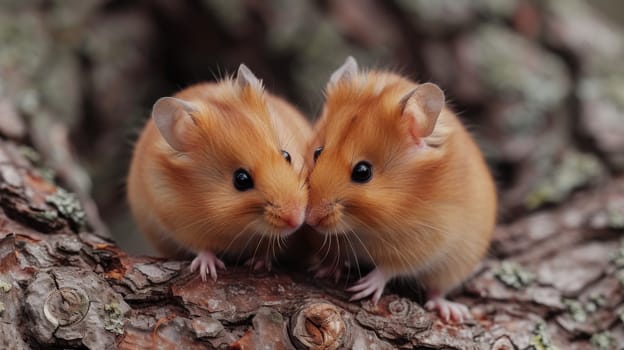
(554,281)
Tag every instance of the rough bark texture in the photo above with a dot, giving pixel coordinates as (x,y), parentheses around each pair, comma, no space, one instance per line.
(541,82)
(555,279)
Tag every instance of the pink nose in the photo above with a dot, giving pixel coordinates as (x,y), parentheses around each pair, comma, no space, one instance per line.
(293,219)
(314,217)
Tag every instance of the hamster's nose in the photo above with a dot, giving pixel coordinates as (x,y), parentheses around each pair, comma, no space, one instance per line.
(294,218)
(314,217)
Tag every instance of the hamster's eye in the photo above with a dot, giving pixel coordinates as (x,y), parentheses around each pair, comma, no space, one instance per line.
(317,153)
(362,172)
(242,180)
(286,156)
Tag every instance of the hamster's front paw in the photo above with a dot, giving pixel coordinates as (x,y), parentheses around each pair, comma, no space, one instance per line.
(371,284)
(333,271)
(207,261)
(259,263)
(448,310)
(328,272)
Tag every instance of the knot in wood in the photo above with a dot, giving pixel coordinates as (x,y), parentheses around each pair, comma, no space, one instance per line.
(319,326)
(400,307)
(66,306)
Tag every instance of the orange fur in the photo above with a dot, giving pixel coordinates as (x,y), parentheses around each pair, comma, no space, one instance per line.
(426,212)
(186,201)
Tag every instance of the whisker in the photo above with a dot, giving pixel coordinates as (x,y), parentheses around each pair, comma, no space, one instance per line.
(253,257)
(238,235)
(278,242)
(387,244)
(370,256)
(337,258)
(251,238)
(272,250)
(328,239)
(355,257)
(323,244)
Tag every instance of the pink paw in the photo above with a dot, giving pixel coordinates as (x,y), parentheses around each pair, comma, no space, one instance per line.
(207,261)
(371,284)
(327,271)
(449,310)
(259,263)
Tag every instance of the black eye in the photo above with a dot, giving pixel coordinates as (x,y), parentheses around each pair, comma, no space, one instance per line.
(317,153)
(242,180)
(286,156)
(362,172)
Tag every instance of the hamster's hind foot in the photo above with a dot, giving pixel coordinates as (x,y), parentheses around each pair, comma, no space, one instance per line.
(207,262)
(448,310)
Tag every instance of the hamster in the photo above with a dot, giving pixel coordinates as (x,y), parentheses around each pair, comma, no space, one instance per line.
(219,169)
(397,176)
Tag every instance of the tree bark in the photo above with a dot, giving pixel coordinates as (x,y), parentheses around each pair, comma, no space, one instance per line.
(554,280)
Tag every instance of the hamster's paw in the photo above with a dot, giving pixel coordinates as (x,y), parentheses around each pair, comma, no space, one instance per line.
(260,263)
(327,271)
(332,270)
(371,284)
(449,310)
(207,261)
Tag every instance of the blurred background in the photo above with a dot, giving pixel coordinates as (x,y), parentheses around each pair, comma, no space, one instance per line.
(540,83)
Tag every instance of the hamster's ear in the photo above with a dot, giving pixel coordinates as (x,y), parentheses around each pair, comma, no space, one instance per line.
(244,78)
(421,108)
(347,71)
(173,119)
